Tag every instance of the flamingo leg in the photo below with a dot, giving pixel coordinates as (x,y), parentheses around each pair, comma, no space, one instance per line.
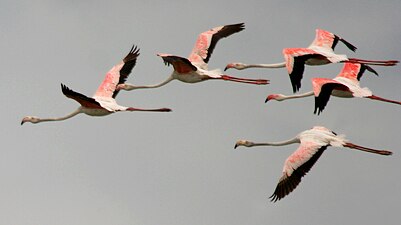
(149,110)
(358,147)
(375,62)
(244,80)
(374,97)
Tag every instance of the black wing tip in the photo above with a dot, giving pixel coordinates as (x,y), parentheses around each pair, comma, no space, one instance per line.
(370,69)
(346,43)
(134,50)
(165,61)
(274,197)
(235,27)
(296,87)
(318,110)
(132,54)
(295,83)
(64,88)
(238,26)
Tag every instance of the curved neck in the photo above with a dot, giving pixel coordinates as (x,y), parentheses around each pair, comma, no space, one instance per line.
(273,65)
(281,143)
(131,87)
(307,94)
(62,118)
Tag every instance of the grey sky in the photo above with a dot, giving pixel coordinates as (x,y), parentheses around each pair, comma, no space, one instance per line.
(180,168)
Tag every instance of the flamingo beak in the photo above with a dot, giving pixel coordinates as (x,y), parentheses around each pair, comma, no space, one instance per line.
(236,145)
(267,99)
(166,110)
(23,121)
(225,68)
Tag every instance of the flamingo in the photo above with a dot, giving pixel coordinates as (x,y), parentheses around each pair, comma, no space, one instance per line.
(103,102)
(194,69)
(345,85)
(312,144)
(320,52)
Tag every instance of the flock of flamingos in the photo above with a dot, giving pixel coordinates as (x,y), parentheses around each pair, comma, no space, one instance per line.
(195,69)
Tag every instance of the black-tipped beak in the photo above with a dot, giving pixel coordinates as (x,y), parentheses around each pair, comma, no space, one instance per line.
(236,145)
(226,68)
(22,122)
(267,99)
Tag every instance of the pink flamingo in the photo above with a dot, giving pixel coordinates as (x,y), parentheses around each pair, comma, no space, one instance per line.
(103,102)
(320,52)
(345,85)
(312,144)
(194,69)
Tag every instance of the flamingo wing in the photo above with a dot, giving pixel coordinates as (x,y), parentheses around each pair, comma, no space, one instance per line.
(323,88)
(365,67)
(329,40)
(207,41)
(82,99)
(297,72)
(180,64)
(117,75)
(296,166)
(295,62)
(354,71)
(351,71)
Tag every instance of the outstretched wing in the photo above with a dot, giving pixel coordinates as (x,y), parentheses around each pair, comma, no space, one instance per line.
(180,64)
(296,166)
(118,75)
(329,40)
(207,41)
(354,71)
(322,88)
(295,62)
(82,99)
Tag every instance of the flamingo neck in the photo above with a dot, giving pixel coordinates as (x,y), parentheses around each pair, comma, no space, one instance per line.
(307,94)
(76,112)
(273,65)
(281,143)
(131,87)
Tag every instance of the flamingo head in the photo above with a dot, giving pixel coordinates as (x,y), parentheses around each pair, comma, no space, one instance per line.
(238,66)
(277,97)
(31,119)
(243,143)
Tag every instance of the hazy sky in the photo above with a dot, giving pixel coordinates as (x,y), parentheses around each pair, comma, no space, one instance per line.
(180,168)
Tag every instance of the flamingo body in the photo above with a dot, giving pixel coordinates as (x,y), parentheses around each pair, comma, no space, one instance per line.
(313,143)
(103,102)
(319,52)
(194,69)
(344,85)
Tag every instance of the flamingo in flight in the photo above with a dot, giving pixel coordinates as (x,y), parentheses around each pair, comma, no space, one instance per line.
(320,52)
(195,69)
(103,102)
(344,85)
(312,144)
